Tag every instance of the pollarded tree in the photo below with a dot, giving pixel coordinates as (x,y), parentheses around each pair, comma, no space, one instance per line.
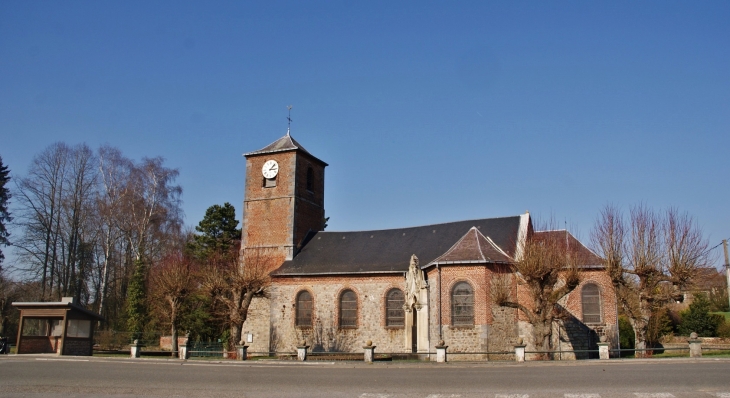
(232,282)
(171,284)
(547,272)
(650,258)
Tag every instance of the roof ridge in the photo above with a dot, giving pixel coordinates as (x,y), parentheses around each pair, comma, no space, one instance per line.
(425,225)
(479,244)
(494,245)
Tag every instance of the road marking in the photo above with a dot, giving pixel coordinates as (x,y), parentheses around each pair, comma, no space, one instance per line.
(443,396)
(722,394)
(368,395)
(511,396)
(62,359)
(582,395)
(657,395)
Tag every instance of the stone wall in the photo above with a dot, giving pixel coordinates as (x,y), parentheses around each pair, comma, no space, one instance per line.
(258,324)
(324,334)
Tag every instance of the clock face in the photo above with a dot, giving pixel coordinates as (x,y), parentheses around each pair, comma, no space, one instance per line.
(270,169)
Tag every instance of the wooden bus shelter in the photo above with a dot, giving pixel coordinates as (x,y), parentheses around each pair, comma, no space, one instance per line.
(63,328)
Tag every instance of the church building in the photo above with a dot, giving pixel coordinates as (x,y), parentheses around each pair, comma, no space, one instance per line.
(404,289)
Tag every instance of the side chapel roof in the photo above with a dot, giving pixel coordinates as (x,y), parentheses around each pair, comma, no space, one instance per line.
(283,144)
(473,247)
(389,251)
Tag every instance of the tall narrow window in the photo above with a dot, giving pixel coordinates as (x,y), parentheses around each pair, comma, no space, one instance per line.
(304,309)
(348,309)
(310,179)
(394,313)
(462,305)
(591,298)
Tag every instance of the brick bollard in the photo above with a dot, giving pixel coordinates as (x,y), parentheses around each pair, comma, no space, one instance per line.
(369,351)
(242,350)
(695,346)
(441,351)
(520,351)
(135,349)
(302,351)
(603,348)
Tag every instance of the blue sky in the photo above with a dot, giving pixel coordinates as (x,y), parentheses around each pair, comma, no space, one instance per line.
(427,112)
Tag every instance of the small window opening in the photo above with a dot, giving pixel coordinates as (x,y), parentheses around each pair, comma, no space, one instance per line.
(269,182)
(310,179)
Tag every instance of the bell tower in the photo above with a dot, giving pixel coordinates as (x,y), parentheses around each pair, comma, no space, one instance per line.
(283,199)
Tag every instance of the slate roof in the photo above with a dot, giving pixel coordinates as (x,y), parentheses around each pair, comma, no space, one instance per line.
(473,247)
(584,256)
(389,251)
(283,144)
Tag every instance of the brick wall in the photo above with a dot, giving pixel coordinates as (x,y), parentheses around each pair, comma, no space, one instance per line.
(72,346)
(38,345)
(494,329)
(281,216)
(166,342)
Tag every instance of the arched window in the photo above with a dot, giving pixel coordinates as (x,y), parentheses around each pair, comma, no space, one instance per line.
(310,179)
(394,313)
(591,298)
(348,309)
(462,305)
(304,309)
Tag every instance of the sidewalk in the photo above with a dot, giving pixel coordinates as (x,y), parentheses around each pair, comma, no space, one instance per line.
(356,364)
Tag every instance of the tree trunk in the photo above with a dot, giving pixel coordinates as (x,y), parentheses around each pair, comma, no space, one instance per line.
(640,329)
(235,337)
(173,332)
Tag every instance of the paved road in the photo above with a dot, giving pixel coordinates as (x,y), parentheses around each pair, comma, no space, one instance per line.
(57,377)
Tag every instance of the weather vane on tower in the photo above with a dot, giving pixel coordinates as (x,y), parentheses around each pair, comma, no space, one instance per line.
(288,127)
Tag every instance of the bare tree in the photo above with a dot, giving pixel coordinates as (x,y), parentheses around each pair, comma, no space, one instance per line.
(151,207)
(233,283)
(548,273)
(650,257)
(114,172)
(55,202)
(171,283)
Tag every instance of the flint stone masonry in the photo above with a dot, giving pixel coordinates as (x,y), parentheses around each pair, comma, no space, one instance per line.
(259,325)
(325,334)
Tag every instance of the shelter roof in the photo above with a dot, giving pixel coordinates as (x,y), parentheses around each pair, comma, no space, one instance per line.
(67,305)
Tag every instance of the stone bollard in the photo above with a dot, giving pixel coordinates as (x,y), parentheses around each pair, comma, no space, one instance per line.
(135,349)
(441,351)
(603,348)
(242,350)
(520,351)
(183,352)
(302,351)
(695,346)
(369,351)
